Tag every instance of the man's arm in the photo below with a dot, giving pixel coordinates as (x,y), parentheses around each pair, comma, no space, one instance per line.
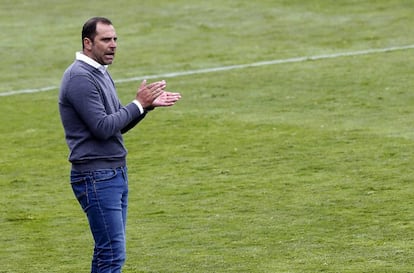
(87,100)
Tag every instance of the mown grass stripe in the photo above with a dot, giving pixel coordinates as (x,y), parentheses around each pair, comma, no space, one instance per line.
(231,67)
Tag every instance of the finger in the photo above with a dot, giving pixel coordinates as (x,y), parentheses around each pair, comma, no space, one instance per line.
(156,93)
(153,87)
(159,84)
(174,97)
(173,93)
(143,84)
(168,99)
(163,83)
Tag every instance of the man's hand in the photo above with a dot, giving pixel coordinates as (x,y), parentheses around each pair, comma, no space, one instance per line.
(166,99)
(146,94)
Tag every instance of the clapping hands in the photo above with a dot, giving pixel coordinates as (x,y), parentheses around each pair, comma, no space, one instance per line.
(154,95)
(166,99)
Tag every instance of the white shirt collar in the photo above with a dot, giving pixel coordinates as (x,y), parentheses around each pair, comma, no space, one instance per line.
(82,57)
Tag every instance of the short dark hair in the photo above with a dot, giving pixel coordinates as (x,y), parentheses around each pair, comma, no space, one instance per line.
(89,28)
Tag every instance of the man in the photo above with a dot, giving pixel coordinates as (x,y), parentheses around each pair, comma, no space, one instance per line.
(94,121)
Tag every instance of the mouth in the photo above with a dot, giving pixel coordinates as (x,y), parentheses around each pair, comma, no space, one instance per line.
(110,55)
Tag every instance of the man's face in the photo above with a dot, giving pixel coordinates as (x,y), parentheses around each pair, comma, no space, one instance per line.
(102,48)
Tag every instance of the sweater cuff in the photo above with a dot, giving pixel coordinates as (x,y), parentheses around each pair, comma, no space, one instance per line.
(141,109)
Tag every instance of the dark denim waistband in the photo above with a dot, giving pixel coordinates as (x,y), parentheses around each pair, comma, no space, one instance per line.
(93,165)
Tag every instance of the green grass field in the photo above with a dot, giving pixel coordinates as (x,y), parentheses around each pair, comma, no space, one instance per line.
(296,167)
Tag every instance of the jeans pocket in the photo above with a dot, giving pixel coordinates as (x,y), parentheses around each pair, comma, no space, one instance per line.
(79,183)
(76,177)
(80,190)
(104,175)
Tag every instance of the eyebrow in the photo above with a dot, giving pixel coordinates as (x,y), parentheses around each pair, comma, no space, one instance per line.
(109,38)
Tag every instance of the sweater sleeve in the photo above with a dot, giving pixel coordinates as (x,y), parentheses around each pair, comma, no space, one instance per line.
(87,100)
(133,123)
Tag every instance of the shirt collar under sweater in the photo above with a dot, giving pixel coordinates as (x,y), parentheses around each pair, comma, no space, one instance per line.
(82,57)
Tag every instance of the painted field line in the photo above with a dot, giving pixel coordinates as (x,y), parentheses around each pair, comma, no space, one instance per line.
(230,67)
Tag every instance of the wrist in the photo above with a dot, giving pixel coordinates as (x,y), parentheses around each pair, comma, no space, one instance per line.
(149,108)
(139,105)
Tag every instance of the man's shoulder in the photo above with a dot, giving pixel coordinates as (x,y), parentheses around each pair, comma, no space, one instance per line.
(78,74)
(78,68)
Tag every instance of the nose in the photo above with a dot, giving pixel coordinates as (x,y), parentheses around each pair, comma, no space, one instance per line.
(113,43)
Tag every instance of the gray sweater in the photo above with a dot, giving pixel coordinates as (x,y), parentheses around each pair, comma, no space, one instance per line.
(94,119)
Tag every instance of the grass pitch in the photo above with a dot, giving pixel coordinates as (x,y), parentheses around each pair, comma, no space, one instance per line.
(296,167)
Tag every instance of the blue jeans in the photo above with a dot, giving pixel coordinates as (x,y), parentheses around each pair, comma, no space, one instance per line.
(103,196)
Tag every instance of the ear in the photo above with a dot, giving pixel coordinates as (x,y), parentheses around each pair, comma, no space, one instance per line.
(87,43)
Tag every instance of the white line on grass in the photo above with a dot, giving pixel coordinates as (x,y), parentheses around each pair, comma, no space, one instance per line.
(230,67)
